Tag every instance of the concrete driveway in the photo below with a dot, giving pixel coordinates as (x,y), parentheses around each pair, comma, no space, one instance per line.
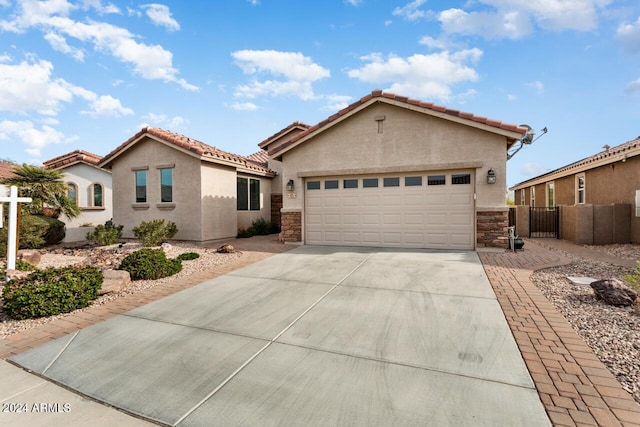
(313,336)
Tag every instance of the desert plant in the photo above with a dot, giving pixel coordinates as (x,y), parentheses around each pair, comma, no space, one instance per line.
(35,232)
(259,227)
(187,256)
(634,278)
(52,291)
(243,233)
(155,232)
(150,264)
(107,234)
(45,187)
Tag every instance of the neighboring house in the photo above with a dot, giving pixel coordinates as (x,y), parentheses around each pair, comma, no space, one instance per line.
(208,193)
(599,195)
(393,171)
(90,187)
(6,171)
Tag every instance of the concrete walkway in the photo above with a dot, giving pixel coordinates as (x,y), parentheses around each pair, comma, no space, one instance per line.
(575,388)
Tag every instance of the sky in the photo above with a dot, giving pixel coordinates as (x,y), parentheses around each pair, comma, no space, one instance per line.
(89,74)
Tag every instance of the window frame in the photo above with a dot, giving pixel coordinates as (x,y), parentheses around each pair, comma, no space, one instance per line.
(368,182)
(144,186)
(92,194)
(162,185)
(391,181)
(75,190)
(463,178)
(350,183)
(436,180)
(523,196)
(581,193)
(551,194)
(253,195)
(533,196)
(413,181)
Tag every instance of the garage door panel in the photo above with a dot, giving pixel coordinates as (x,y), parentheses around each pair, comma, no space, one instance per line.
(436,216)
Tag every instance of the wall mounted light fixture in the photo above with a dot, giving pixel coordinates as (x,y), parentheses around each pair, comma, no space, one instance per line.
(491,177)
(290,185)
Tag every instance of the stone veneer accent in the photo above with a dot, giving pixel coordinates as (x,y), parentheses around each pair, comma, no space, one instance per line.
(276,205)
(292,226)
(491,229)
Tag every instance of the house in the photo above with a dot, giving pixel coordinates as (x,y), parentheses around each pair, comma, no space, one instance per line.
(89,186)
(6,171)
(599,195)
(392,171)
(207,192)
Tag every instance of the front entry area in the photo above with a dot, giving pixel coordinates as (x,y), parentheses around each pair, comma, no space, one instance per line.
(433,210)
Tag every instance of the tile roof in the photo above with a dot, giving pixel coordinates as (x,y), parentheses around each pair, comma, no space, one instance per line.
(261,158)
(198,148)
(72,158)
(405,100)
(608,155)
(6,169)
(292,126)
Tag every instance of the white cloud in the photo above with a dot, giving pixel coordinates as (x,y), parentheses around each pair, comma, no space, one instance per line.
(26,133)
(162,120)
(629,36)
(149,61)
(511,97)
(30,87)
(336,102)
(424,76)
(537,85)
(353,2)
(634,86)
(161,15)
(411,11)
(59,43)
(5,3)
(294,71)
(107,106)
(109,8)
(5,57)
(244,106)
(515,18)
(254,2)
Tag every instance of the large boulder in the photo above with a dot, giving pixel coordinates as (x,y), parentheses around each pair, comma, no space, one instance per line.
(115,281)
(614,292)
(32,257)
(226,249)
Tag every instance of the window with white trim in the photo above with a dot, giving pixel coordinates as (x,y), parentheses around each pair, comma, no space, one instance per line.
(248,194)
(638,203)
(551,195)
(533,197)
(97,195)
(72,191)
(580,190)
(522,196)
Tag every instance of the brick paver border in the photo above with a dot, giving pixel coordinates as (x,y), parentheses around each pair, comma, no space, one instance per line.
(575,388)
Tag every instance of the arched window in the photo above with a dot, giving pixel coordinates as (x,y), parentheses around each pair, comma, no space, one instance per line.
(97,195)
(72,191)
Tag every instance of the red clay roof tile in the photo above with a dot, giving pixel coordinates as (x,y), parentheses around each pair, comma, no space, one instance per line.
(72,158)
(6,169)
(199,148)
(292,126)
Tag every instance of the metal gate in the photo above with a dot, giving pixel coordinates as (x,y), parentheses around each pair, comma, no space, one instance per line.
(544,222)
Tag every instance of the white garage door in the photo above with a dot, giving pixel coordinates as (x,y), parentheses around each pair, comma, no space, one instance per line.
(417,210)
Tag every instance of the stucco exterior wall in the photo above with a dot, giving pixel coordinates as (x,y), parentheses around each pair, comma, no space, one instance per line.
(245,218)
(184,210)
(219,202)
(409,141)
(84,176)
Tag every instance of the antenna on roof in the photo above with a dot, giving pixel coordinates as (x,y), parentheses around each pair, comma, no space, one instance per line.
(527,139)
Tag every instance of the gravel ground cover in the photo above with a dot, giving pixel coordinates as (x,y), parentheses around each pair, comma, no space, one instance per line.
(620,251)
(109,257)
(612,332)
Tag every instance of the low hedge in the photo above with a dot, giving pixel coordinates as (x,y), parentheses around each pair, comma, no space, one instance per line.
(150,264)
(52,291)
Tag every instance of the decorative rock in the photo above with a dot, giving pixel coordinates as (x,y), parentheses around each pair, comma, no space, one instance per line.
(614,292)
(166,247)
(226,249)
(32,257)
(581,281)
(115,281)
(17,275)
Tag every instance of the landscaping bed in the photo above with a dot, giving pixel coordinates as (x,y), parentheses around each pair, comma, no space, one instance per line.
(612,332)
(110,257)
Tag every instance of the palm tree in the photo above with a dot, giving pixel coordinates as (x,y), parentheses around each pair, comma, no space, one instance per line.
(45,187)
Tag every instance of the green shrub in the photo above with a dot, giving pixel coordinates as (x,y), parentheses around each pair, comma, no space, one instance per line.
(107,234)
(187,256)
(155,232)
(35,232)
(259,227)
(52,291)
(20,266)
(634,278)
(150,264)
